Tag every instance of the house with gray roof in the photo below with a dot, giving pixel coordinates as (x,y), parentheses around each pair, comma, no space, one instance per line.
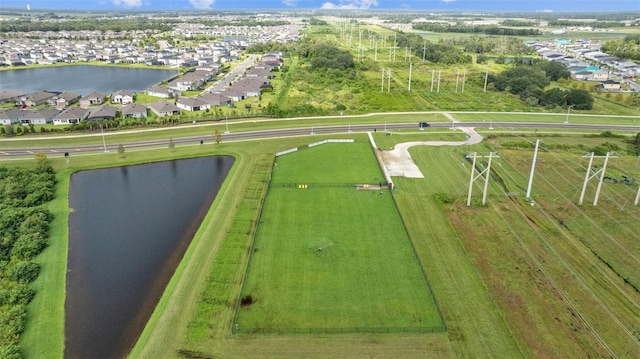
(64,99)
(134,111)
(122,96)
(192,104)
(10,96)
(164,108)
(92,99)
(38,117)
(10,116)
(104,112)
(37,98)
(215,99)
(162,91)
(71,116)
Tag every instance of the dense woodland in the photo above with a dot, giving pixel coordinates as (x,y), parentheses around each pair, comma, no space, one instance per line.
(627,48)
(529,81)
(477,29)
(24,226)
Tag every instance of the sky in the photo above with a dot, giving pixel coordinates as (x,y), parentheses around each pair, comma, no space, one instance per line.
(477,5)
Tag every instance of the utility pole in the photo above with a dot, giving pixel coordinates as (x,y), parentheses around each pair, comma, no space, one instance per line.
(481,174)
(457,79)
(382,85)
(375,51)
(389,81)
(424,50)
(464,77)
(104,143)
(533,168)
(395,44)
(439,75)
(566,120)
(486,77)
(433,76)
(637,197)
(410,69)
(589,176)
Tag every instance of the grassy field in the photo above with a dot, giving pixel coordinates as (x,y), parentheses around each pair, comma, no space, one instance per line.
(331,257)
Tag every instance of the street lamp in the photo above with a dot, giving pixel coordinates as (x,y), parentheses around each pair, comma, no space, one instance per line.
(104,144)
(566,120)
(226,121)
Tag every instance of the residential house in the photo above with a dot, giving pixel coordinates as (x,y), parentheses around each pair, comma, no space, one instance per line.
(103,112)
(64,99)
(122,96)
(601,75)
(215,99)
(71,116)
(233,93)
(608,86)
(192,104)
(260,72)
(10,116)
(134,111)
(10,96)
(164,108)
(36,98)
(92,99)
(162,91)
(38,117)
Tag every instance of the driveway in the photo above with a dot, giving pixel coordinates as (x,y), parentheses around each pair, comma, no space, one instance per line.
(398,161)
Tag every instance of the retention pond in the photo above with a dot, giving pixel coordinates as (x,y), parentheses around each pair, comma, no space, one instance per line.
(129,229)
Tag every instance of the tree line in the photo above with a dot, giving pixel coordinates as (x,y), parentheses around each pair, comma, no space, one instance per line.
(117,25)
(529,81)
(24,227)
(627,48)
(478,29)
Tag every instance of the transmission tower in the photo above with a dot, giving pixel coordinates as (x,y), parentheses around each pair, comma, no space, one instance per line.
(481,174)
(589,176)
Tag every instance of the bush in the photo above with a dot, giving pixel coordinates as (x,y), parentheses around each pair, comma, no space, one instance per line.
(24,272)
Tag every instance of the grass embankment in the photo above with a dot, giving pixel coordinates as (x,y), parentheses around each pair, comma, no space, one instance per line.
(44,333)
(331,258)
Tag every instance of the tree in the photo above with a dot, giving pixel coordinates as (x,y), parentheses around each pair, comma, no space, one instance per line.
(121,150)
(41,159)
(580,99)
(553,70)
(217,136)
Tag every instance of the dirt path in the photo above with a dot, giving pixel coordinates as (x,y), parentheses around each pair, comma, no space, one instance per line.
(398,161)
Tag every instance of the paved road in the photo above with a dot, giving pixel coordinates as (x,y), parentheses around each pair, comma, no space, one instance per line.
(300,131)
(224,82)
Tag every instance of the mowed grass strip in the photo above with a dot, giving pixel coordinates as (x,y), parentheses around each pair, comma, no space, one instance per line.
(333,257)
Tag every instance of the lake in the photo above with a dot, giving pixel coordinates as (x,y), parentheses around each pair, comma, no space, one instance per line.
(129,229)
(82,79)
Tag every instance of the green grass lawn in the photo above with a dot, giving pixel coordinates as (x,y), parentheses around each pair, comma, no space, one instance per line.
(333,257)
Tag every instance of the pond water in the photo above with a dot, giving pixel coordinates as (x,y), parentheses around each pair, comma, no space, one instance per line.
(82,79)
(129,229)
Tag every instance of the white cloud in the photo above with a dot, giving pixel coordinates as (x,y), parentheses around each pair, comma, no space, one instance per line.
(448,1)
(202,4)
(352,4)
(127,3)
(290,2)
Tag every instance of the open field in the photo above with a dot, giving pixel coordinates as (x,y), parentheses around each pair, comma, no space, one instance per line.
(331,258)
